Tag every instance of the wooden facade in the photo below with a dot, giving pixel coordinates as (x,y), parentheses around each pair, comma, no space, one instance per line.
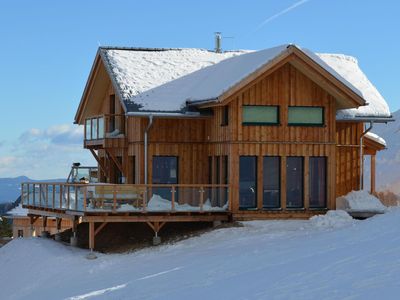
(206,150)
(202,142)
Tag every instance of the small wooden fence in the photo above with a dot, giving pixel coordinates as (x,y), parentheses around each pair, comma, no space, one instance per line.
(121,198)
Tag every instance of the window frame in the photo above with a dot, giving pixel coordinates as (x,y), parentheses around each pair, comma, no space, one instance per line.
(307,124)
(277,123)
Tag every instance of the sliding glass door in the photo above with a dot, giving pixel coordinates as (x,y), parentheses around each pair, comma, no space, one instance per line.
(317,182)
(165,171)
(248,182)
(271,182)
(294,182)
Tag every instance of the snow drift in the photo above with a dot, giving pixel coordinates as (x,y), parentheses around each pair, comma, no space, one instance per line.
(360,201)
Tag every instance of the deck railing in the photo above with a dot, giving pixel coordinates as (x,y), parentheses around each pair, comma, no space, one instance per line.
(125,197)
(104,126)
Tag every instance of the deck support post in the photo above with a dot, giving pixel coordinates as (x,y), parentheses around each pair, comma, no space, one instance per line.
(32,222)
(91,236)
(74,238)
(156,226)
(44,233)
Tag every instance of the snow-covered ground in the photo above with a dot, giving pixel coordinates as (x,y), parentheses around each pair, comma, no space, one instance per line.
(336,258)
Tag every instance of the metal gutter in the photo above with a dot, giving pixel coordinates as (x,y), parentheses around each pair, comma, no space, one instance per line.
(146,146)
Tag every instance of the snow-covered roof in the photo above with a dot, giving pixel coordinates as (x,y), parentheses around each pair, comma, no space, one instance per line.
(18,211)
(348,68)
(376,138)
(166,79)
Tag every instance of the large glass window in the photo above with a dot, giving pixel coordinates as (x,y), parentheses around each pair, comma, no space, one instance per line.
(165,171)
(88,129)
(260,115)
(305,116)
(317,182)
(271,182)
(248,182)
(294,182)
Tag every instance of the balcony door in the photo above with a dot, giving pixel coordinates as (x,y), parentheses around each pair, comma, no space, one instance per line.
(165,171)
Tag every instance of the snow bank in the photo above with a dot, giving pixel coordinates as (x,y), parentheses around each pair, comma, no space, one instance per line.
(249,262)
(360,201)
(332,219)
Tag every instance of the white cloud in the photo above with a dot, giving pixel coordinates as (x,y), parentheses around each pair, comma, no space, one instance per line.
(45,153)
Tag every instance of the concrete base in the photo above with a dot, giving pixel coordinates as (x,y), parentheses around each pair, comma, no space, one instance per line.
(45,234)
(91,255)
(73,241)
(57,237)
(156,240)
(217,223)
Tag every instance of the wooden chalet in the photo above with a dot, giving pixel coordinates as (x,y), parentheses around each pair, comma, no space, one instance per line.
(184,135)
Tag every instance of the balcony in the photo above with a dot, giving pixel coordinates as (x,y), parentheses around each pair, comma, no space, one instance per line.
(105,131)
(101,198)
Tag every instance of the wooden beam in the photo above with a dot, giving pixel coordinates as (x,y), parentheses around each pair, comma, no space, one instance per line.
(98,229)
(117,163)
(157,218)
(91,235)
(96,157)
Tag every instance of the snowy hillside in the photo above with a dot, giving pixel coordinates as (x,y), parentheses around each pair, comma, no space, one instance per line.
(331,257)
(388,161)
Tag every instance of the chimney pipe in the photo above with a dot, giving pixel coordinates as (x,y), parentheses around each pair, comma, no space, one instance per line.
(218,39)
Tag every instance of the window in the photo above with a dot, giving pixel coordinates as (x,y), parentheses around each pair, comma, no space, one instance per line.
(271,182)
(165,171)
(294,182)
(260,115)
(305,116)
(111,121)
(317,182)
(88,126)
(225,116)
(248,182)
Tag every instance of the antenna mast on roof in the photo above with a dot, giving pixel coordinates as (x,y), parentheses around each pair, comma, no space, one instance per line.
(218,39)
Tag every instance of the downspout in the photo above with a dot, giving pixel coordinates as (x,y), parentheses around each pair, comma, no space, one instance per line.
(371,124)
(146,146)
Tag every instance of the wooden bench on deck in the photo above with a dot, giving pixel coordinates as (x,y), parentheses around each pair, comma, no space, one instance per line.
(104,195)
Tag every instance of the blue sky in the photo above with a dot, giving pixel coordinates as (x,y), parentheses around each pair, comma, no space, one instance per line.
(47,48)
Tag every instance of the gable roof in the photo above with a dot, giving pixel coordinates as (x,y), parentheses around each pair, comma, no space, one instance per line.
(165,80)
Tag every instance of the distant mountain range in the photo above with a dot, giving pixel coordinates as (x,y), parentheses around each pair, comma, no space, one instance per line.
(10,188)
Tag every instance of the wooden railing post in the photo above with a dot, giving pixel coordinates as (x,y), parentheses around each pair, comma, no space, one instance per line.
(68,196)
(84,198)
(201,199)
(61,195)
(145,194)
(76,197)
(173,198)
(34,194)
(115,198)
(54,196)
(47,195)
(40,195)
